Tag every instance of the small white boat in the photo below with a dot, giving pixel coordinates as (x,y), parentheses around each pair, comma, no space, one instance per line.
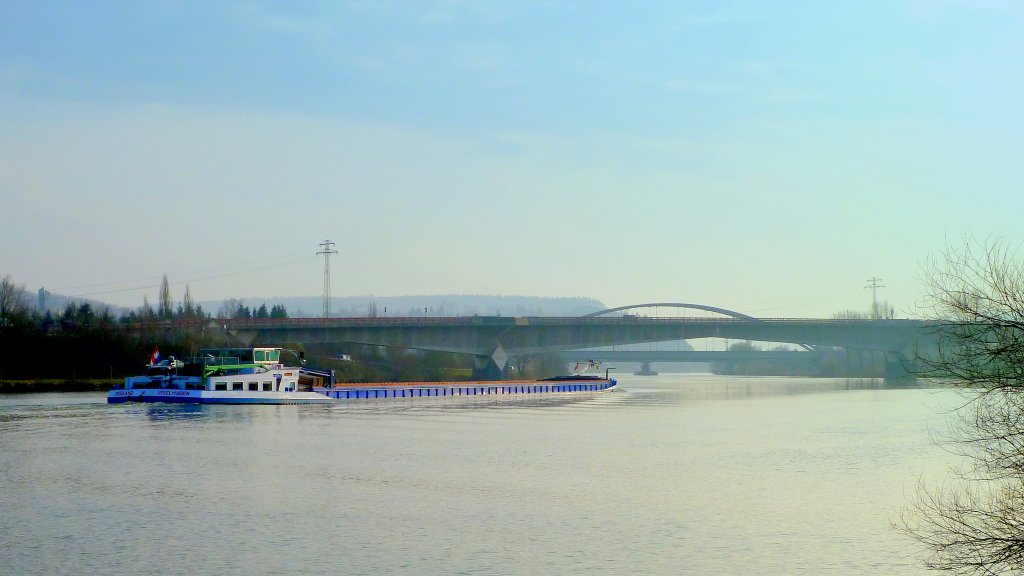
(224,376)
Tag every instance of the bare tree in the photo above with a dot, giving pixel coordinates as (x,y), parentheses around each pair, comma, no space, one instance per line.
(882,310)
(146,311)
(850,315)
(975,523)
(12,298)
(187,305)
(165,311)
(229,308)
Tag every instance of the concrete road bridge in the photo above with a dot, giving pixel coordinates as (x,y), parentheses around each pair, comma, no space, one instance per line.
(491,340)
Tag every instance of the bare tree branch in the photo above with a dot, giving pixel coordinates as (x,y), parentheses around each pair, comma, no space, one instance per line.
(975,525)
(12,299)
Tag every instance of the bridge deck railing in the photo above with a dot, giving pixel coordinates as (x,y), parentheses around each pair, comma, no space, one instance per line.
(426,321)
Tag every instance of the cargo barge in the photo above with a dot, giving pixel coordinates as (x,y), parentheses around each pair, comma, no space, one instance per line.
(259,376)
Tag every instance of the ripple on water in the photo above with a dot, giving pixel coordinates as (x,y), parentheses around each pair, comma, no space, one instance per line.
(711,474)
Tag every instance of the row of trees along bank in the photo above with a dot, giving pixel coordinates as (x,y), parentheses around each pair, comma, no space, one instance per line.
(83,348)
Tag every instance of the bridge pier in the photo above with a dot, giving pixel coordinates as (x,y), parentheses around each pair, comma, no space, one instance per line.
(645,370)
(484,368)
(897,367)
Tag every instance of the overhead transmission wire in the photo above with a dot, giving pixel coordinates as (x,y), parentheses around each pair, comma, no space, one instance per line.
(260,268)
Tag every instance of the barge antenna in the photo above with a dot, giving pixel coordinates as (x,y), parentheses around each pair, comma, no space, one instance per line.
(326,250)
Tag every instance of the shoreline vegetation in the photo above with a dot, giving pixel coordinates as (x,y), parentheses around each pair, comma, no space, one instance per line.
(87,349)
(90,348)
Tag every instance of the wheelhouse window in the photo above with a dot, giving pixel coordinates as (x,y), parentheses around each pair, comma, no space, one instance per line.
(220,386)
(254,386)
(268,386)
(266,356)
(237,386)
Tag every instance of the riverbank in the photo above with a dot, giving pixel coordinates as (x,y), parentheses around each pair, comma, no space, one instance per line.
(58,385)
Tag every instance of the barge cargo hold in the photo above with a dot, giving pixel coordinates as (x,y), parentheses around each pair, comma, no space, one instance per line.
(370,391)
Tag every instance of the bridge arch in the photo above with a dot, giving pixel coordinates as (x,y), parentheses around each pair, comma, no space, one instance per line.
(704,307)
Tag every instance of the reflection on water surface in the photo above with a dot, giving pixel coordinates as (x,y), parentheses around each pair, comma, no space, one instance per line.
(669,474)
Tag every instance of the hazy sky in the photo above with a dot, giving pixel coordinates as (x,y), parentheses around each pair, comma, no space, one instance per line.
(768,157)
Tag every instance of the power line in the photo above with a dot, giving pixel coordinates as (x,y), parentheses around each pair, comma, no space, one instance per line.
(261,268)
(255,265)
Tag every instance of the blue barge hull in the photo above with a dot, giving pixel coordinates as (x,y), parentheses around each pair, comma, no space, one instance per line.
(448,389)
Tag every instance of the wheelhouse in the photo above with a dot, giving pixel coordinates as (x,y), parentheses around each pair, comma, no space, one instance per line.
(260,375)
(239,356)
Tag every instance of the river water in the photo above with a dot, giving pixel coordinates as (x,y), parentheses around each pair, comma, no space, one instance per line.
(673,474)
